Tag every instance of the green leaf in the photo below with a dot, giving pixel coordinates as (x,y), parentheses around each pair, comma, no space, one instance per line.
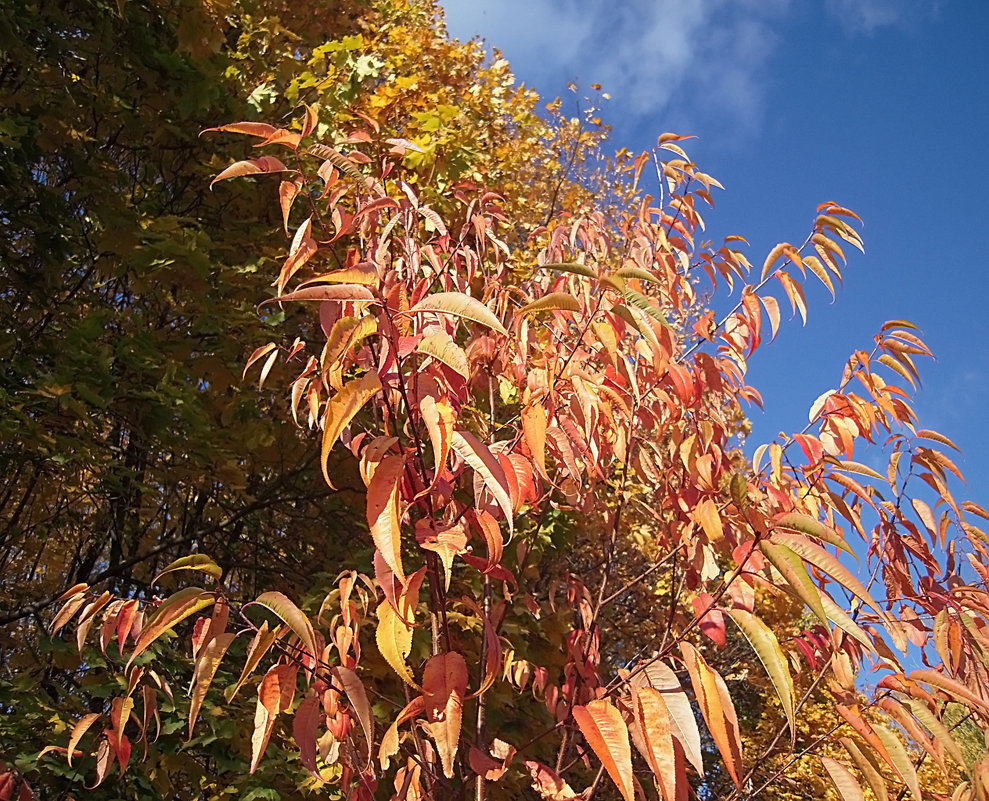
(552,302)
(767,648)
(574,268)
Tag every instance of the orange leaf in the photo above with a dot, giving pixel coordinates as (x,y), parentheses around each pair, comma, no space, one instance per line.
(534,428)
(173,611)
(444,683)
(652,717)
(257,166)
(79,730)
(206,667)
(717,707)
(294,617)
(683,725)
(447,541)
(275,694)
(606,733)
(383,513)
(440,418)
(548,784)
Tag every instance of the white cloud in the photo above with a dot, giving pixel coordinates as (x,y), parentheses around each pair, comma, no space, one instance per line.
(868,16)
(701,63)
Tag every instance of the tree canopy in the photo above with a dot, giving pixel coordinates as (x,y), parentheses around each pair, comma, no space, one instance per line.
(483,523)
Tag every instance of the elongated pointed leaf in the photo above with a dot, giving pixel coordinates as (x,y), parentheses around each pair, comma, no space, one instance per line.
(196,561)
(791,567)
(949,685)
(806,524)
(814,554)
(173,611)
(444,684)
(683,724)
(383,513)
(640,274)
(573,268)
(640,301)
(844,782)
(257,166)
(606,734)
(341,410)
(554,301)
(442,348)
(206,667)
(357,696)
(85,722)
(394,632)
(440,418)
(868,766)
(294,617)
(938,730)
(304,726)
(326,292)
(263,640)
(534,429)
(901,760)
(485,464)
(275,695)
(459,305)
(652,717)
(767,648)
(717,708)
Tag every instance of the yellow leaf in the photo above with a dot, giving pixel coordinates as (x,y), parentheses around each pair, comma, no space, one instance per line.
(341,409)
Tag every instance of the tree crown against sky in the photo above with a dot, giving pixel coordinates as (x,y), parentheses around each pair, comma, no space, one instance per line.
(570,578)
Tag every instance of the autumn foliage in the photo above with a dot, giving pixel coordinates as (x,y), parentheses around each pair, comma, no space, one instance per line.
(567,578)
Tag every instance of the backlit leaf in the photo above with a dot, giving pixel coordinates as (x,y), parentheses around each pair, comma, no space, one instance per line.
(844,782)
(554,301)
(383,513)
(196,561)
(444,685)
(683,724)
(173,611)
(459,305)
(484,463)
(606,734)
(767,648)
(652,717)
(341,410)
(294,617)
(717,708)
(441,347)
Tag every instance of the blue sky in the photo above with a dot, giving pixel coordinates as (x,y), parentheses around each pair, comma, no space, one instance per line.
(881,105)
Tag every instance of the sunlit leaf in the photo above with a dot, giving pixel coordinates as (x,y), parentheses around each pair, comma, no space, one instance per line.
(606,734)
(767,648)
(444,685)
(293,617)
(459,305)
